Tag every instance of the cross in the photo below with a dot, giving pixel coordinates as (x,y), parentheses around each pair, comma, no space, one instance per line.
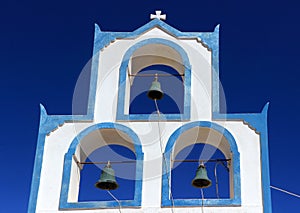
(158,15)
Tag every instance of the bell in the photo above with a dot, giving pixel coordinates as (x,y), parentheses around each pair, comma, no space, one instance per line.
(201,180)
(107,180)
(155,92)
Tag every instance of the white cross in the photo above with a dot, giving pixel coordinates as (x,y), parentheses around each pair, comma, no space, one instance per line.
(158,15)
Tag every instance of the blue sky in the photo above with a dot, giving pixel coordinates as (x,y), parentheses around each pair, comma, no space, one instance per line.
(45,44)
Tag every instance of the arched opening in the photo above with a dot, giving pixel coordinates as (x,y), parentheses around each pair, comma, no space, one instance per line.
(89,152)
(122,160)
(141,63)
(184,169)
(207,142)
(171,85)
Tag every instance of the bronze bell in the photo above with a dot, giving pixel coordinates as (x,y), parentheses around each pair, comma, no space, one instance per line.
(107,180)
(201,180)
(155,92)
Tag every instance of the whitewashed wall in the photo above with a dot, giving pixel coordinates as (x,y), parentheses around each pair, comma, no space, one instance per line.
(58,142)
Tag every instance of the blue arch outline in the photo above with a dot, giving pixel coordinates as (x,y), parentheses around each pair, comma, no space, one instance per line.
(122,82)
(235,201)
(136,202)
(210,40)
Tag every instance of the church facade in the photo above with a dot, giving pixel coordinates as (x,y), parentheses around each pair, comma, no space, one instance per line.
(155,136)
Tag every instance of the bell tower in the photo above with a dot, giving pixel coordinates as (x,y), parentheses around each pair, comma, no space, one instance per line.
(153,120)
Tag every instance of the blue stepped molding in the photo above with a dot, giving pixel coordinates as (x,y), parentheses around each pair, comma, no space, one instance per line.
(210,40)
(48,123)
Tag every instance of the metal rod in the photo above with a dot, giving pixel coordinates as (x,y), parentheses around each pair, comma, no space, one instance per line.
(207,160)
(217,182)
(111,162)
(134,161)
(151,75)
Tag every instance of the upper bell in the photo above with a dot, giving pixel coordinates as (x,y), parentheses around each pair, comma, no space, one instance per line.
(201,180)
(155,92)
(107,180)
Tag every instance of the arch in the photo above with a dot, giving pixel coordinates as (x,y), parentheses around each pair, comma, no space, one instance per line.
(156,53)
(175,51)
(177,136)
(67,198)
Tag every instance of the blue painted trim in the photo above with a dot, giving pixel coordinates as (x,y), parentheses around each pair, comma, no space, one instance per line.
(122,82)
(136,202)
(35,183)
(208,39)
(49,123)
(235,201)
(265,168)
(94,74)
(259,122)
(213,41)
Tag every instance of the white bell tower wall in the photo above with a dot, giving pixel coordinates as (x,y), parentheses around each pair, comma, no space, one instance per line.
(65,141)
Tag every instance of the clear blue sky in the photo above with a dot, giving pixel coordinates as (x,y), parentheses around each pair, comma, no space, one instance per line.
(45,44)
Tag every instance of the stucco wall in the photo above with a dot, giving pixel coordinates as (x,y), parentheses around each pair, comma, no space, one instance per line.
(58,142)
